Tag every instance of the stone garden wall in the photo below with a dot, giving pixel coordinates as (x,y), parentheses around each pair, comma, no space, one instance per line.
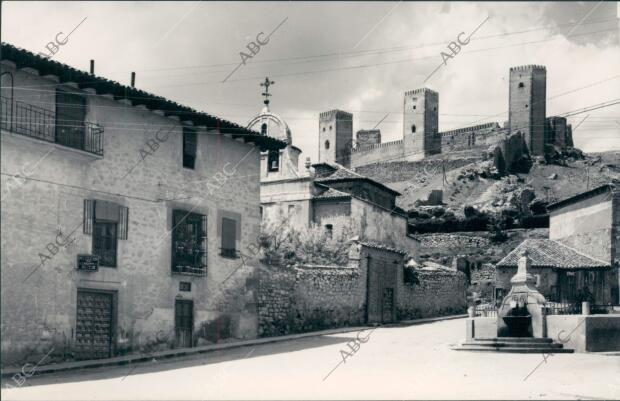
(432,293)
(309,298)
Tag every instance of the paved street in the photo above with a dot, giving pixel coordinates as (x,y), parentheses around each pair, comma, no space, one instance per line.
(395,362)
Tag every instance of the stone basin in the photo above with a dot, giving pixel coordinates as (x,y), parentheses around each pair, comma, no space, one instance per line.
(518,326)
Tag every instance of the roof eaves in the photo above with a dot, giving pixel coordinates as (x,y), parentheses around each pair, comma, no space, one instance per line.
(65,73)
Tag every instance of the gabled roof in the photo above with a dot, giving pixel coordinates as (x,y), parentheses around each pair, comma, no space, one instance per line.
(341,173)
(581,196)
(332,193)
(382,247)
(65,73)
(548,253)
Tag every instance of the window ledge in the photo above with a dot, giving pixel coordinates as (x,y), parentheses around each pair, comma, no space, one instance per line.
(189,273)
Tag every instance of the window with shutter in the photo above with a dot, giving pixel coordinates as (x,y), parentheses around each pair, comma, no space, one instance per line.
(105,242)
(189,148)
(189,243)
(229,238)
(105,230)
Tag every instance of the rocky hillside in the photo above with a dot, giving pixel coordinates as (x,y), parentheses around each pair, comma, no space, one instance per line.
(476,198)
(473,181)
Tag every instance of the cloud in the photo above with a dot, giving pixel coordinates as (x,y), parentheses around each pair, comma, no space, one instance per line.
(396,56)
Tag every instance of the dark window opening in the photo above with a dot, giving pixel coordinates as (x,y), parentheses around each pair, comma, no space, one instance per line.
(409,276)
(273,160)
(189,243)
(330,127)
(189,148)
(263,129)
(526,106)
(414,106)
(105,242)
(323,129)
(413,128)
(329,230)
(326,144)
(229,238)
(521,85)
(185,286)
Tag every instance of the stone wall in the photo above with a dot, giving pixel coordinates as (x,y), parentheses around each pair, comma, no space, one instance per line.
(445,242)
(398,171)
(385,151)
(468,137)
(309,298)
(435,293)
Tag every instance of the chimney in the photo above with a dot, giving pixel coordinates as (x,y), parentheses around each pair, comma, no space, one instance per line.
(133,79)
(92,66)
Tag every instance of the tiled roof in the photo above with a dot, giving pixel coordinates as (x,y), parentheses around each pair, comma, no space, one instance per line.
(382,247)
(332,193)
(344,174)
(65,73)
(548,253)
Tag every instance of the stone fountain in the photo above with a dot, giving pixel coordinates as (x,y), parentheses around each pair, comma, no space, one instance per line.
(520,319)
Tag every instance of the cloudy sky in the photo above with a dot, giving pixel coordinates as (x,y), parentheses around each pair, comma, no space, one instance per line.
(358,57)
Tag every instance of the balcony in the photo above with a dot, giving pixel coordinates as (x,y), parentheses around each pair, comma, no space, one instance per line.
(35,122)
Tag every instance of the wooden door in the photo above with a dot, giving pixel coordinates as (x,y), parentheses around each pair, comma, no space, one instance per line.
(70,117)
(94,324)
(184,323)
(387,308)
(380,296)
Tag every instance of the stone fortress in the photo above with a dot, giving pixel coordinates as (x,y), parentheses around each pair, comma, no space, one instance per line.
(527,131)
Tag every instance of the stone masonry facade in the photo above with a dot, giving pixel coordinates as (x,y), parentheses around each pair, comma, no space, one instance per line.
(39,309)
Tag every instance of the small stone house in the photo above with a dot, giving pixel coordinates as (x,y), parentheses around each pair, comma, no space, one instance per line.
(581,257)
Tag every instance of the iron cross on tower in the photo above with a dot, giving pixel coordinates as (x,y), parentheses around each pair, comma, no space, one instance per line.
(266,93)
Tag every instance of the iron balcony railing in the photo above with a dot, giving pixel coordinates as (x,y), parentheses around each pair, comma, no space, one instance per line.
(485,310)
(35,122)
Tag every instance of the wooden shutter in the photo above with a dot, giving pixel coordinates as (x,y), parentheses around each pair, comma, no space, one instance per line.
(87,223)
(123,222)
(229,233)
(204,240)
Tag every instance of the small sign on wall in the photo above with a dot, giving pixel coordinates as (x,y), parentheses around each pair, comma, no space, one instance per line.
(185,286)
(88,262)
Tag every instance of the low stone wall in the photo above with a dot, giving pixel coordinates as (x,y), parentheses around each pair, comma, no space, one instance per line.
(435,293)
(446,241)
(592,333)
(308,298)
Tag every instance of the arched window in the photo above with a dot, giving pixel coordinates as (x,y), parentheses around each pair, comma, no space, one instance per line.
(273,160)
(263,129)
(413,128)
(323,129)
(521,85)
(327,144)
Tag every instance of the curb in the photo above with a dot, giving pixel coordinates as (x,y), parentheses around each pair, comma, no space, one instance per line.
(128,359)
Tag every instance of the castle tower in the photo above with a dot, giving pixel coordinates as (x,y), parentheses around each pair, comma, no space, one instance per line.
(335,137)
(527,105)
(421,123)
